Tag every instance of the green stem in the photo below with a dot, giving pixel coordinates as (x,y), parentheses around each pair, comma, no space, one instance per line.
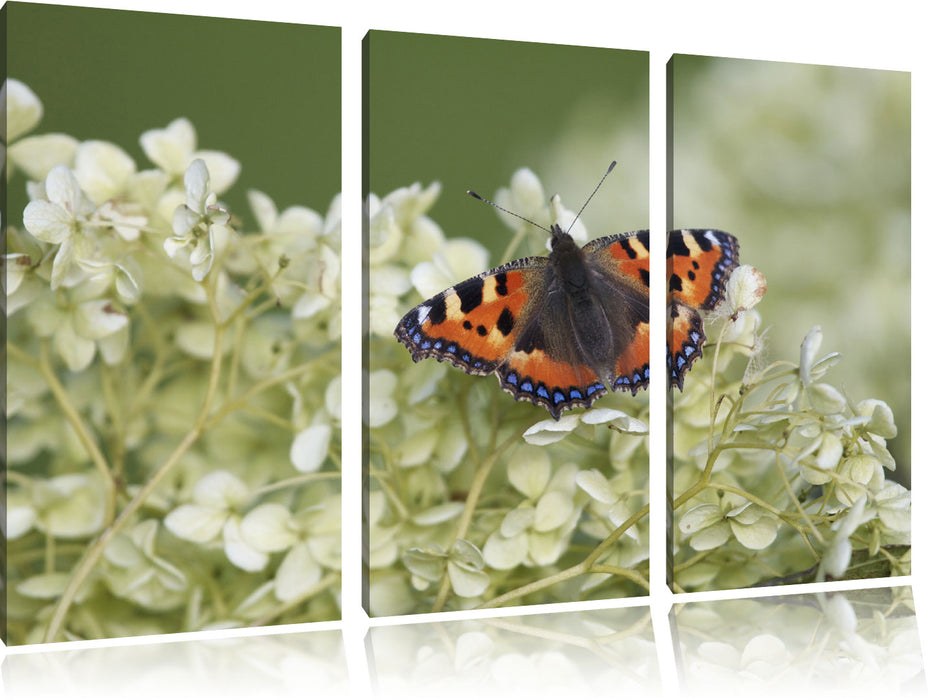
(713,407)
(86,564)
(251,297)
(622,572)
(235,404)
(471,502)
(81,429)
(788,487)
(297,481)
(583,567)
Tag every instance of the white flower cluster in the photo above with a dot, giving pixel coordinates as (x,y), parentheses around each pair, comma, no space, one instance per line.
(174,392)
(780,475)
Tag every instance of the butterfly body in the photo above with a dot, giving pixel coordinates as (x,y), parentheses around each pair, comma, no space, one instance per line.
(563,330)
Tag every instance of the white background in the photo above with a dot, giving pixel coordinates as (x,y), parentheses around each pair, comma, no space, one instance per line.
(897,35)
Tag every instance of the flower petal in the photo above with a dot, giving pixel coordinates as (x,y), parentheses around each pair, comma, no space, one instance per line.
(98,319)
(47,221)
(438,514)
(267,528)
(21,108)
(552,511)
(467,583)
(220,490)
(222,168)
(170,148)
(548,431)
(528,471)
(37,155)
(102,169)
(594,483)
(239,552)
(196,523)
(502,552)
(310,448)
(298,573)
(77,352)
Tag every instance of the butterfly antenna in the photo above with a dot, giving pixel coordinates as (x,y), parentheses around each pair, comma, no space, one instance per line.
(608,172)
(507,211)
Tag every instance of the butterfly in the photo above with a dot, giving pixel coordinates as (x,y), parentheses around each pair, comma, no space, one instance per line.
(563,330)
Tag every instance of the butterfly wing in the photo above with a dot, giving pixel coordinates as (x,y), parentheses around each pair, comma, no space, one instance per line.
(546,366)
(699,262)
(474,324)
(620,266)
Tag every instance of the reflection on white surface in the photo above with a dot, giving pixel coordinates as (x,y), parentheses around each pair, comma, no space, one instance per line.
(863,643)
(604,653)
(857,643)
(284,665)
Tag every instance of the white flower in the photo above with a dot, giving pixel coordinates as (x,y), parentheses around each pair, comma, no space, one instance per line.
(59,219)
(382,406)
(838,555)
(199,225)
(859,474)
(310,447)
(710,525)
(213,515)
(173,150)
(20,108)
(596,485)
(398,231)
(820,458)
(289,237)
(525,197)
(138,573)
(387,284)
(69,506)
(312,540)
(880,418)
(80,325)
(811,368)
(458,259)
(297,225)
(22,283)
(102,169)
(384,546)
(35,155)
(38,155)
(323,286)
(548,431)
(892,506)
(398,228)
(746,287)
(536,532)
(464,564)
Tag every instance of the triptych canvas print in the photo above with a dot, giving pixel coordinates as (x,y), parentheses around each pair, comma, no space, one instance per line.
(174,326)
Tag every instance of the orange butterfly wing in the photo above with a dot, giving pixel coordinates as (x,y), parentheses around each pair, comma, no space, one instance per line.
(698,262)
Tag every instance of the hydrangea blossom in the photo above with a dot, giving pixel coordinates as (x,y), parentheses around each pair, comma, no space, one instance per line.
(790,470)
(199,225)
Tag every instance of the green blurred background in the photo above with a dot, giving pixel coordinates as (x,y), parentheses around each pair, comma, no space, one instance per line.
(268,94)
(469,112)
(809,166)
